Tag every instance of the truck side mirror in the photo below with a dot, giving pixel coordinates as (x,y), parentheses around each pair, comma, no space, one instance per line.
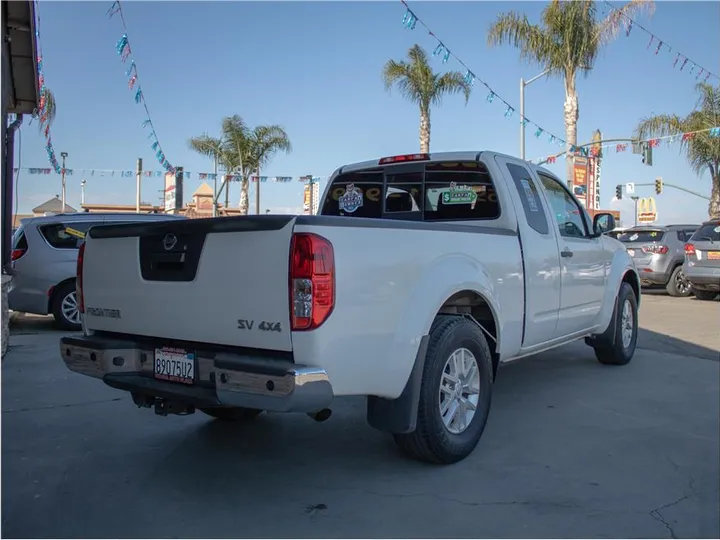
(603,223)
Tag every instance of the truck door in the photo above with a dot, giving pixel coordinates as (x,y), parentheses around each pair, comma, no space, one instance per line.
(582,260)
(541,259)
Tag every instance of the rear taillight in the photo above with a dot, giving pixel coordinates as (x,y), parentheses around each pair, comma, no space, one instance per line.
(17,253)
(312,281)
(78,280)
(656,249)
(689,249)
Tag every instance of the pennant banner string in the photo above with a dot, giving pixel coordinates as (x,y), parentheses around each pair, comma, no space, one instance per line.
(124,50)
(622,147)
(662,45)
(410,20)
(187,175)
(43,109)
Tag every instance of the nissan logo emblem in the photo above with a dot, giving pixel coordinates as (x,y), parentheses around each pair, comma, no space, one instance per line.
(169,241)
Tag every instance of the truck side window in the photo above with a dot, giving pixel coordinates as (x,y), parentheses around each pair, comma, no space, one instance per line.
(459,192)
(66,235)
(568,213)
(530,198)
(355,195)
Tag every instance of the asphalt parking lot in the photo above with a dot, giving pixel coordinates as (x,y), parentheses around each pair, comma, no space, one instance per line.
(572,449)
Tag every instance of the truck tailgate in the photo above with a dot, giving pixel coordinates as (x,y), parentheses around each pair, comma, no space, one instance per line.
(221,281)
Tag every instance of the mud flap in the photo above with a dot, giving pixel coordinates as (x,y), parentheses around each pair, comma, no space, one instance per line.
(399,415)
(607,338)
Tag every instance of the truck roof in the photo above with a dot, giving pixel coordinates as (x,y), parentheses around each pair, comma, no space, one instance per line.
(461,155)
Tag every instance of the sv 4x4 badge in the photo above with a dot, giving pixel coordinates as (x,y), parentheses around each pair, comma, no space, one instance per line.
(264,326)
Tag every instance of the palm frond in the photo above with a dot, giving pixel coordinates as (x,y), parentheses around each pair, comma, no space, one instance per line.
(619,19)
(451,83)
(660,125)
(206,145)
(533,42)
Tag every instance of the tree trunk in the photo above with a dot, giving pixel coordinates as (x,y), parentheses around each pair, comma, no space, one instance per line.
(244,199)
(571,114)
(714,206)
(424,130)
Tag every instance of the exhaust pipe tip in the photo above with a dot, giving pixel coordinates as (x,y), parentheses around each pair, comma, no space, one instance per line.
(321,415)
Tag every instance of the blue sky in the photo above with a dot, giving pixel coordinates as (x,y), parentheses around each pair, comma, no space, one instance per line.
(314,68)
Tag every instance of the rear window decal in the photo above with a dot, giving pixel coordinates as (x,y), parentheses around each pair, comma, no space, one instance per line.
(634,237)
(351,200)
(459,195)
(75,232)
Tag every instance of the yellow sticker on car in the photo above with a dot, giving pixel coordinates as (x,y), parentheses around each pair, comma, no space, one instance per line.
(75,232)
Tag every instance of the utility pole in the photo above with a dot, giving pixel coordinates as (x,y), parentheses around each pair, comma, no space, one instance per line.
(635,198)
(63,155)
(215,193)
(257,193)
(138,181)
(523,84)
(83,182)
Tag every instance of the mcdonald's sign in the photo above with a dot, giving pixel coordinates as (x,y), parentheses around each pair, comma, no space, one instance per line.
(646,210)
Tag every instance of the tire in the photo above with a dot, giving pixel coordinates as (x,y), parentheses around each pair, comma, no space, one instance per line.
(704,295)
(232,414)
(433,441)
(678,286)
(65,315)
(622,351)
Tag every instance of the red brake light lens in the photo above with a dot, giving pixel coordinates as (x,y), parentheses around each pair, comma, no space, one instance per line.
(404,158)
(689,249)
(312,281)
(78,280)
(656,249)
(17,253)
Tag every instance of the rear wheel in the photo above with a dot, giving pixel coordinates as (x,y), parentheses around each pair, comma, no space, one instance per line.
(704,295)
(65,307)
(232,414)
(678,285)
(626,330)
(455,393)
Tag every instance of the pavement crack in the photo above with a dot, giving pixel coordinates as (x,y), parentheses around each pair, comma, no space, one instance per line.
(50,407)
(655,514)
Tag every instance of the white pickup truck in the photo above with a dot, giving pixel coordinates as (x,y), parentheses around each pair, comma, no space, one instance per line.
(421,274)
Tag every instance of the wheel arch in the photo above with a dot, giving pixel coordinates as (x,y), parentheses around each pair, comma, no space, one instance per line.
(54,292)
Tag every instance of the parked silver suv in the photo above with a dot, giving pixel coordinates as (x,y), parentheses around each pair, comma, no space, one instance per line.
(702,260)
(658,253)
(44,259)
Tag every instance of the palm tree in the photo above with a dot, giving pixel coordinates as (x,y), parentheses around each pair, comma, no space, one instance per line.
(701,150)
(211,147)
(417,83)
(242,151)
(566,42)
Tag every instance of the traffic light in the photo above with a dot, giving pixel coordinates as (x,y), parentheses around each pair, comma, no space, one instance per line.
(658,185)
(618,191)
(647,154)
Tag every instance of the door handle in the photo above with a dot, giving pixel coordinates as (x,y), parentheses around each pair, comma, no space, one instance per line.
(566,253)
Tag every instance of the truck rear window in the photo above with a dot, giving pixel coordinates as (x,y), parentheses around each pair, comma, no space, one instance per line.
(641,236)
(444,191)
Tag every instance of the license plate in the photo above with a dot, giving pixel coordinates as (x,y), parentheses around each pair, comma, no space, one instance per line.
(714,255)
(174,365)
(631,252)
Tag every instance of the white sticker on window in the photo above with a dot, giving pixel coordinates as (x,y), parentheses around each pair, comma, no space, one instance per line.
(351,200)
(529,195)
(634,237)
(717,229)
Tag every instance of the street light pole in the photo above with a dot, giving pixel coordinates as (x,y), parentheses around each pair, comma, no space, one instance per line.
(634,198)
(83,182)
(523,84)
(63,155)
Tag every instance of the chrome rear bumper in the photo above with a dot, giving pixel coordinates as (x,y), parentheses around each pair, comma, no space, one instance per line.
(221,380)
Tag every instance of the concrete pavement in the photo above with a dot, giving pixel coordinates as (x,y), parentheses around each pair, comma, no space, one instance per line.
(572,449)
